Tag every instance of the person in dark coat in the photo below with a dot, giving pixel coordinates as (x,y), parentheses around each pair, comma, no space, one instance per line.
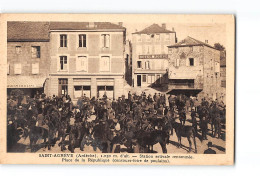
(204,127)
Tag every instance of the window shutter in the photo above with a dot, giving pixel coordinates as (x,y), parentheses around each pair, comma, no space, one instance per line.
(34,51)
(35,68)
(102,41)
(105,63)
(17,69)
(78,64)
(107,41)
(8,68)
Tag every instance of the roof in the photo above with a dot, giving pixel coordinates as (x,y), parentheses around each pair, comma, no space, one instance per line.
(84,26)
(28,31)
(39,31)
(189,41)
(154,28)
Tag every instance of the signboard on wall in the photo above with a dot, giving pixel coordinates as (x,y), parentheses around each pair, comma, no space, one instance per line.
(154,56)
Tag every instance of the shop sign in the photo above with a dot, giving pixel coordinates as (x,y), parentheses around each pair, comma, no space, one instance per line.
(154,56)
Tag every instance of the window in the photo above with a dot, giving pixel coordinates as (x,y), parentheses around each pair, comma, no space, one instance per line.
(191,48)
(147,65)
(105,90)
(157,49)
(167,37)
(223,83)
(139,49)
(63,63)
(17,69)
(157,37)
(144,78)
(105,64)
(158,64)
(18,49)
(148,49)
(191,61)
(82,40)
(35,68)
(158,79)
(82,63)
(36,51)
(177,63)
(105,40)
(63,40)
(139,64)
(63,87)
(139,38)
(148,37)
(151,79)
(80,91)
(8,68)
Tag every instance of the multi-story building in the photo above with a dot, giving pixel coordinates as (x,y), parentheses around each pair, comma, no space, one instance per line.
(223,74)
(87,58)
(27,56)
(194,69)
(150,55)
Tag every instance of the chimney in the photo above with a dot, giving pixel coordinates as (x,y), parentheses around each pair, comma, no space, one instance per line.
(206,41)
(164,25)
(173,29)
(120,24)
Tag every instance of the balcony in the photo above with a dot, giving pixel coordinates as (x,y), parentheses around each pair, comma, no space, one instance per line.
(183,84)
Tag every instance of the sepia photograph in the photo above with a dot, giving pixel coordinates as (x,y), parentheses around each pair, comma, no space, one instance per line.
(119,87)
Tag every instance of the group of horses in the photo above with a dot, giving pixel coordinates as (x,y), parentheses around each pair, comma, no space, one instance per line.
(135,123)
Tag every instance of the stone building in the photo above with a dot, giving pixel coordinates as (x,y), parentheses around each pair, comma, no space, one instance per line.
(27,57)
(194,69)
(87,58)
(150,55)
(223,74)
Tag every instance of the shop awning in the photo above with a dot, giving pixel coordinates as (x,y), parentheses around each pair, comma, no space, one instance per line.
(25,82)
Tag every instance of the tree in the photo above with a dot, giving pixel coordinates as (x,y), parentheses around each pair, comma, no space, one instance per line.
(219,47)
(17,94)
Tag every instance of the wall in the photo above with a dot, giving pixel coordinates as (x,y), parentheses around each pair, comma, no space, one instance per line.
(211,87)
(157,66)
(26,59)
(184,71)
(93,51)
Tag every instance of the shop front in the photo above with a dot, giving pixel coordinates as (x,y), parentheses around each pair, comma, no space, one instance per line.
(29,85)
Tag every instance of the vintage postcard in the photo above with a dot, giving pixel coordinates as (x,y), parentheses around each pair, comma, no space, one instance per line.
(128,89)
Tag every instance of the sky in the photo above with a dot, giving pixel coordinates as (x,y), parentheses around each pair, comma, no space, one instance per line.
(214,33)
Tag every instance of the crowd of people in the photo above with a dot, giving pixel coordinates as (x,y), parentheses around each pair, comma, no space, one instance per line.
(137,121)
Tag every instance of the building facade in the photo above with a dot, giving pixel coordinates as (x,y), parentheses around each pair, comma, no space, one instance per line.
(27,57)
(150,55)
(194,69)
(87,58)
(223,74)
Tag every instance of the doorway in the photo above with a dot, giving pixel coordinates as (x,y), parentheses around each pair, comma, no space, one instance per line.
(139,80)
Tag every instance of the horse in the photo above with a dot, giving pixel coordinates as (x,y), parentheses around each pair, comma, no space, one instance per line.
(36,133)
(103,136)
(185,131)
(150,138)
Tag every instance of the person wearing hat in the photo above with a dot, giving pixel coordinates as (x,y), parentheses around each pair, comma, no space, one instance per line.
(209,150)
